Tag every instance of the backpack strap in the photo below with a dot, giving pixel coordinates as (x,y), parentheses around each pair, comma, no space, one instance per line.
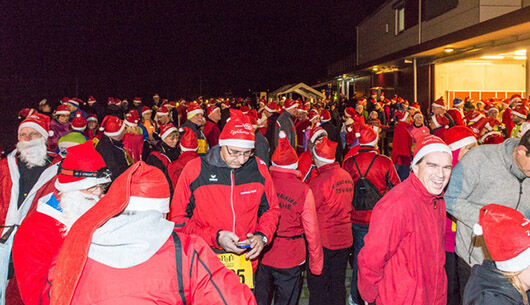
(369,166)
(368,169)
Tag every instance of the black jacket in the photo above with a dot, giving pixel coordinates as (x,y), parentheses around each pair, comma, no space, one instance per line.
(262,147)
(114,155)
(487,286)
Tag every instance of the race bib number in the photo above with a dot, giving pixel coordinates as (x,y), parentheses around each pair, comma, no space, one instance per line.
(202,146)
(240,265)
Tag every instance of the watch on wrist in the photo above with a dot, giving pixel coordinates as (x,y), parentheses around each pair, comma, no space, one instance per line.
(265,239)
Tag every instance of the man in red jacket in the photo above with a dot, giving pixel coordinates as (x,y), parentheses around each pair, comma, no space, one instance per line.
(227,197)
(402,261)
(377,168)
(402,144)
(42,233)
(124,251)
(280,273)
(333,192)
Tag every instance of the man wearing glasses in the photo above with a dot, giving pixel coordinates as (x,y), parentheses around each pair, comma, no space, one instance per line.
(227,197)
(24,174)
(81,181)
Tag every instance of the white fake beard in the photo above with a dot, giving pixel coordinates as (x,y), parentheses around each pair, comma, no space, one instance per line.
(33,152)
(74,204)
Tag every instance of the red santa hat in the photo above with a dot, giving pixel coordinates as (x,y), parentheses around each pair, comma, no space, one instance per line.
(188,140)
(492,137)
(402,115)
(415,105)
(162,111)
(367,135)
(225,104)
(507,236)
(92,117)
(325,116)
(417,113)
(253,117)
(313,114)
(74,101)
(140,188)
(193,109)
(473,116)
(457,137)
(238,131)
(284,156)
(132,118)
(325,150)
(166,130)
(25,112)
(303,108)
(79,122)
(289,104)
(91,100)
(82,168)
(349,112)
(112,126)
(137,100)
(272,107)
(316,133)
(516,98)
(440,120)
(479,126)
(146,110)
(38,121)
(244,109)
(156,95)
(520,110)
(62,109)
(212,109)
(440,103)
(428,144)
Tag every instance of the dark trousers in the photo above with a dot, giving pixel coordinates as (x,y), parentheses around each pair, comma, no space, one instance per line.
(329,287)
(284,285)
(451,270)
(403,171)
(464,271)
(359,231)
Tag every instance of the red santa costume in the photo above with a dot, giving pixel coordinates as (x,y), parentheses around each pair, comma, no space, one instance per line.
(456,112)
(14,206)
(42,233)
(126,238)
(188,148)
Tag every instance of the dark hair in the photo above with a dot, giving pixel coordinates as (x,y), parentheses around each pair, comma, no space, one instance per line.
(525,141)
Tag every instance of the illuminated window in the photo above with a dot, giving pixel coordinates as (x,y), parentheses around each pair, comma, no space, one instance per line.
(400,19)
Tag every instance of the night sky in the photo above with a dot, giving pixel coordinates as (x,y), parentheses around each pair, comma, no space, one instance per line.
(175,48)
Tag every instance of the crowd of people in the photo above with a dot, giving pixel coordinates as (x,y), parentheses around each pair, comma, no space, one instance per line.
(236,201)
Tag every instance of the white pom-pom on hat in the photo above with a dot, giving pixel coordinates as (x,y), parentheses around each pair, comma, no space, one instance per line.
(282,134)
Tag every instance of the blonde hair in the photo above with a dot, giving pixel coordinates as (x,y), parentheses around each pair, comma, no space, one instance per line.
(513,277)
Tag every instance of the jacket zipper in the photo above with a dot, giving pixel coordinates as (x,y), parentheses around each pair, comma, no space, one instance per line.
(520,193)
(232,180)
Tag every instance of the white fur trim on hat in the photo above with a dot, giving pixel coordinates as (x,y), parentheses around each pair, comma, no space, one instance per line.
(462,142)
(161,113)
(427,149)
(129,123)
(373,143)
(289,166)
(436,105)
(194,112)
(292,106)
(62,112)
(113,134)
(89,119)
(325,160)
(79,128)
(37,127)
(183,149)
(405,116)
(237,143)
(516,264)
(75,103)
(519,114)
(148,204)
(82,184)
(214,110)
(317,134)
(167,133)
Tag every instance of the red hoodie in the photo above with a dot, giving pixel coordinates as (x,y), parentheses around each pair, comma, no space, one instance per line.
(402,144)
(402,261)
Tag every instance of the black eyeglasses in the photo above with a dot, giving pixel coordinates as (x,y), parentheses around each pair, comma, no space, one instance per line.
(245,154)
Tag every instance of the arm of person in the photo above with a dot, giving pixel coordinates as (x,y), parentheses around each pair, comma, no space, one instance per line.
(312,234)
(210,281)
(386,231)
(461,185)
(268,211)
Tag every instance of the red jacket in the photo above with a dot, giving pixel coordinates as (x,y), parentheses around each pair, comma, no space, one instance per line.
(333,192)
(382,174)
(211,132)
(457,116)
(175,168)
(189,275)
(306,167)
(298,218)
(210,196)
(32,253)
(402,144)
(507,121)
(402,261)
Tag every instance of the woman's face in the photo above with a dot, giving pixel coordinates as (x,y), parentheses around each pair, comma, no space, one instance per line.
(172,139)
(418,120)
(92,125)
(63,118)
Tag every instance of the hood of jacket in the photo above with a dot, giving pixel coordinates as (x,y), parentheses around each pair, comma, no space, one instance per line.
(128,240)
(509,146)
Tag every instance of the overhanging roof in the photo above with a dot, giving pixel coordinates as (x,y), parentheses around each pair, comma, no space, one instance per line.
(300,88)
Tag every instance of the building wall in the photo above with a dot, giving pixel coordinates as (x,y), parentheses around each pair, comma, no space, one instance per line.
(376,35)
